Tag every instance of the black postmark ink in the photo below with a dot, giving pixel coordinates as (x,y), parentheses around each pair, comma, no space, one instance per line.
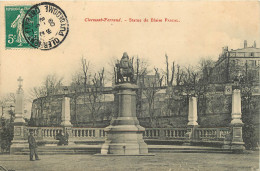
(45,26)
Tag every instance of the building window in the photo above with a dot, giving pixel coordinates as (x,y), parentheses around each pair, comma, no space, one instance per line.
(252,54)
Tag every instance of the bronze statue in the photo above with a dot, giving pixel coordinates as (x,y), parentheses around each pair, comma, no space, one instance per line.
(124,70)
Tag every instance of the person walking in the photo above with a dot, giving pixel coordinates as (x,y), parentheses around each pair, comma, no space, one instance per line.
(33,147)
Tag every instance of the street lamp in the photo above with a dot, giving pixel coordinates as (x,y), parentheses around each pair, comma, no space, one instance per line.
(12,112)
(65,90)
(236,82)
(12,108)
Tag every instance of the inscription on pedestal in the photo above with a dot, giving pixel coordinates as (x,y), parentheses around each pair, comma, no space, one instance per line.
(237,132)
(17,131)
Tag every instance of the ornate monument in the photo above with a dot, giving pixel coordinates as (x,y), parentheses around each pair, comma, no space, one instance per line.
(125,135)
(20,132)
(124,70)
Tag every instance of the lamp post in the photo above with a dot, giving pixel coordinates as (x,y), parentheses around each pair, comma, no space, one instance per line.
(66,90)
(12,112)
(236,82)
(12,108)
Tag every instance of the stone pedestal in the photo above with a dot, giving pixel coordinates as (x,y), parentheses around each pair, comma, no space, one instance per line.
(19,141)
(236,107)
(237,143)
(234,141)
(192,116)
(65,119)
(192,120)
(125,135)
(190,134)
(65,115)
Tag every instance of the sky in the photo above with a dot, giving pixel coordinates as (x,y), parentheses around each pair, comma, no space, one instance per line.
(204,28)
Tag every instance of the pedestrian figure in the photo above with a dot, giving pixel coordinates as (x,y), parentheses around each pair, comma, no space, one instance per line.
(63,139)
(67,138)
(33,147)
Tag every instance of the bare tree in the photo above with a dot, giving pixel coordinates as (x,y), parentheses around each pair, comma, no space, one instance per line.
(150,88)
(169,79)
(179,76)
(85,68)
(204,73)
(205,68)
(111,72)
(6,102)
(249,106)
(52,84)
(37,92)
(95,94)
(79,84)
(3,103)
(190,80)
(76,86)
(11,98)
(92,90)
(141,70)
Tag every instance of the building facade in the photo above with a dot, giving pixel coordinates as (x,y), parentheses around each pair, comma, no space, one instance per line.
(233,63)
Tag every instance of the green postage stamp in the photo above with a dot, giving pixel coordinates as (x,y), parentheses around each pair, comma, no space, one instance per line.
(14,16)
(42,26)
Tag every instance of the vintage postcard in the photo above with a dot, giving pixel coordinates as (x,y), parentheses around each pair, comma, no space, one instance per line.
(129,85)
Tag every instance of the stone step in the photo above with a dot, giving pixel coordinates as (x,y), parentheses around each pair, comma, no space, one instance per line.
(93,149)
(186,151)
(59,152)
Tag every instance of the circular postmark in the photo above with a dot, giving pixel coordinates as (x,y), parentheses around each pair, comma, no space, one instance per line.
(45,26)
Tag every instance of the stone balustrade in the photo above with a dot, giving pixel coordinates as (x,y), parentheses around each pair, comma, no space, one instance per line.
(202,134)
(164,133)
(88,132)
(211,133)
(44,132)
(50,132)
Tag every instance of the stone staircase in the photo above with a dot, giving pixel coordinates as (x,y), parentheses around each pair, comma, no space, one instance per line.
(95,149)
(53,150)
(185,149)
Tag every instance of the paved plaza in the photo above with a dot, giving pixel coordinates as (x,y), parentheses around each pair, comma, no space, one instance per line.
(160,162)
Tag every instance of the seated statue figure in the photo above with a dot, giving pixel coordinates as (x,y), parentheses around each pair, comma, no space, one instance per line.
(125,72)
